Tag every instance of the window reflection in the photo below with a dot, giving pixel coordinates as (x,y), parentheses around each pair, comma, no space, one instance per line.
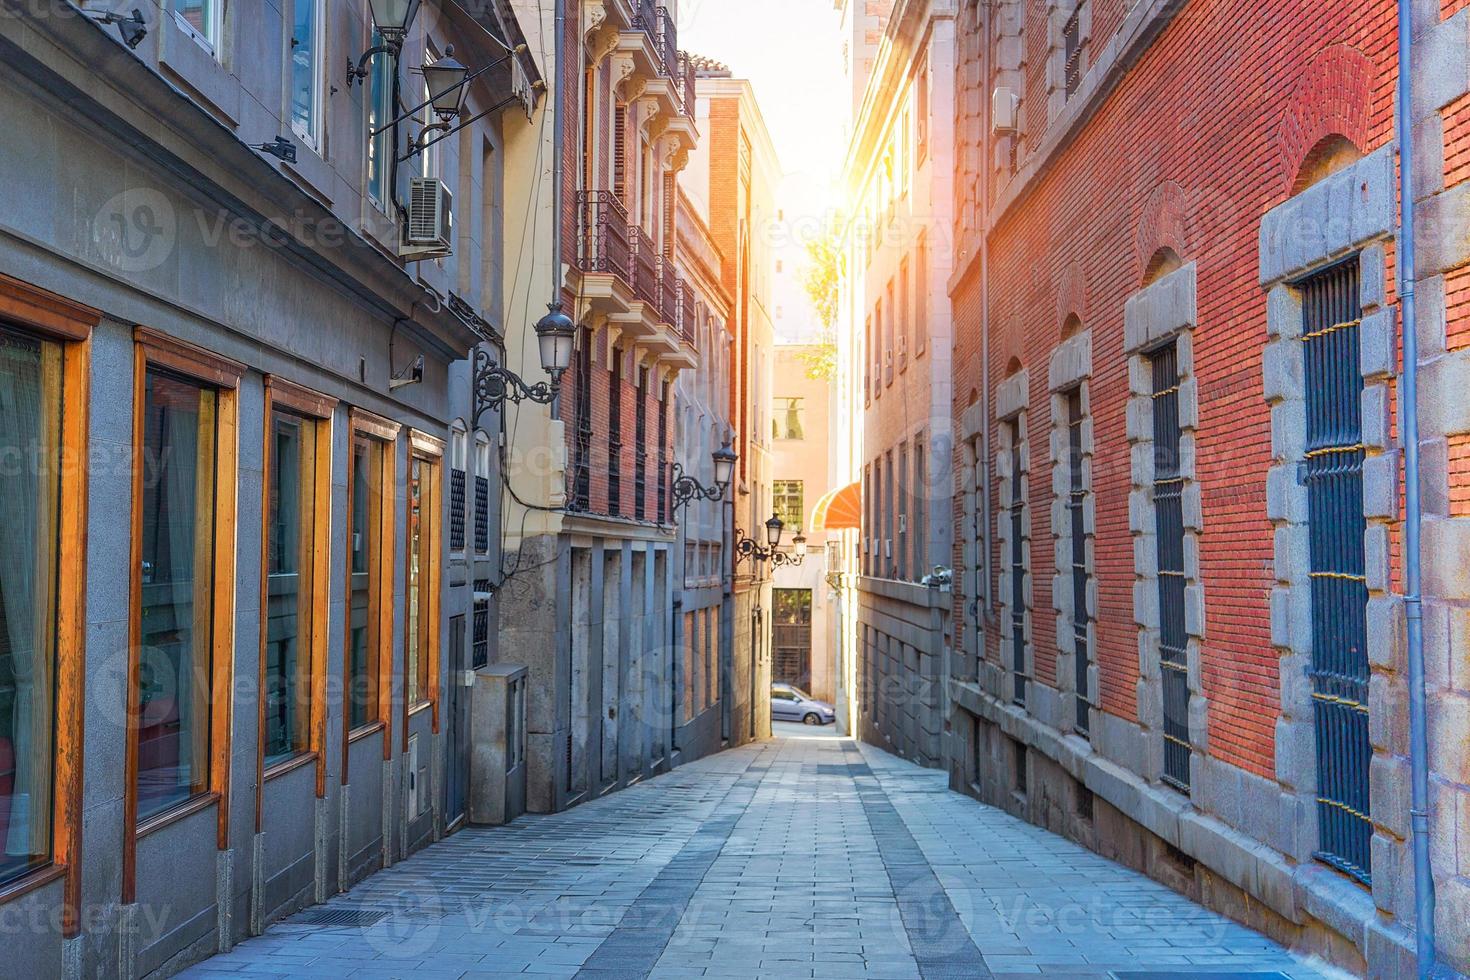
(30,419)
(289,588)
(175,659)
(362,654)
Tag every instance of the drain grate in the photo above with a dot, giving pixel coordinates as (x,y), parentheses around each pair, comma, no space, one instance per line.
(354,918)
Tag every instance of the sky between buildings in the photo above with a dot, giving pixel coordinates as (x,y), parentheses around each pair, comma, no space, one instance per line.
(791,50)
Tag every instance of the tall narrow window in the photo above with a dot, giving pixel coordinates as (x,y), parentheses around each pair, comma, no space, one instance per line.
(30,430)
(306,70)
(904,314)
(901,529)
(921,113)
(1018,564)
(582,447)
(1334,476)
(380,148)
(640,447)
(1072,51)
(620,153)
(370,571)
(918,530)
(421,634)
(482,493)
(663,454)
(176,657)
(459,450)
(615,437)
(1077,526)
(480,639)
(921,293)
(291,607)
(1169,528)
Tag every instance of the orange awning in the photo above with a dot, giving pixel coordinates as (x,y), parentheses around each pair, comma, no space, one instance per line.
(839,510)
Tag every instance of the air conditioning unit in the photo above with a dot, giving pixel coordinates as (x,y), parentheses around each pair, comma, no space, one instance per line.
(1005,111)
(429,230)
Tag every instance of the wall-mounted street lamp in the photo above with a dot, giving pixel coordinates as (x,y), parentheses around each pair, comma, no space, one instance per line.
(748,548)
(687,489)
(495,385)
(392,18)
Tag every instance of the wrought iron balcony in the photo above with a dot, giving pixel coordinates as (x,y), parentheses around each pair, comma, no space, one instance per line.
(686,80)
(603,244)
(670,290)
(644,266)
(657,21)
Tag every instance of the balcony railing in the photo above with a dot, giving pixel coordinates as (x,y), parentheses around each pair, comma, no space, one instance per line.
(684,316)
(670,288)
(603,234)
(645,266)
(657,21)
(666,40)
(686,80)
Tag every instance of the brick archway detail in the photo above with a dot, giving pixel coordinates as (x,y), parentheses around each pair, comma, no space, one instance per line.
(1162,225)
(1333,97)
(1071,296)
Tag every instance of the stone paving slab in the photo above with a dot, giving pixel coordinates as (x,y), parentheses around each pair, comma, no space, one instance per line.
(804,857)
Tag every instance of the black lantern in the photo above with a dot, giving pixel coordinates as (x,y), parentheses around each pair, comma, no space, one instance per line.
(798,546)
(774,527)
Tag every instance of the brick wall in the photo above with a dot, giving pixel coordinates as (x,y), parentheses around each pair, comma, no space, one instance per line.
(1169,161)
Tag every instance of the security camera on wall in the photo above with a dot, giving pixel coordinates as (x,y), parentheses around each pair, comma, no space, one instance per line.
(411,375)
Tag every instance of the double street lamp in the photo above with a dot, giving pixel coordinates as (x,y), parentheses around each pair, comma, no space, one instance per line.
(749,548)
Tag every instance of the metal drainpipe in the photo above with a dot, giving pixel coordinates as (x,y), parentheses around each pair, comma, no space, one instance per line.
(1413,513)
(987,157)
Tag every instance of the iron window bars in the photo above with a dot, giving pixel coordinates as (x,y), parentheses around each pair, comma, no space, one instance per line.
(1333,473)
(1169,528)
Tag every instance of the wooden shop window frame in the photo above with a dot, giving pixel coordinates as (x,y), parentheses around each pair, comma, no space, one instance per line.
(365,426)
(59,320)
(429,451)
(318,410)
(153,348)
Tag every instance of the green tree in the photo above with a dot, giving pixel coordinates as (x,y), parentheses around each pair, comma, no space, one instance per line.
(822,280)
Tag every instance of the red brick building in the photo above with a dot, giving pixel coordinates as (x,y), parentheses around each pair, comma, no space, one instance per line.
(1178,478)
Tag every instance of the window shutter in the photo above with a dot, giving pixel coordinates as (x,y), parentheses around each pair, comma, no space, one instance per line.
(620,152)
(669,197)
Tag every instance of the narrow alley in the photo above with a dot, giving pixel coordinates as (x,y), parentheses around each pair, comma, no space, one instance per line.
(805,856)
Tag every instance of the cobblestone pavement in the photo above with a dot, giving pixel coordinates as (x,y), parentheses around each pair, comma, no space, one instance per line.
(807,856)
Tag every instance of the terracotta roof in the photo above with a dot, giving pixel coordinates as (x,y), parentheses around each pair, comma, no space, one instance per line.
(708,67)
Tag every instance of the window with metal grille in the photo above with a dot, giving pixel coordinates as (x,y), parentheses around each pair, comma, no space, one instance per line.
(640,447)
(1072,42)
(918,534)
(481,634)
(1169,527)
(1334,479)
(1018,567)
(615,436)
(482,514)
(456,509)
(1076,504)
(582,446)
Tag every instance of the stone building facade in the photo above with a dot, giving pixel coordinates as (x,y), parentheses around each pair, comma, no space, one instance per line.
(245,545)
(1178,512)
(897,358)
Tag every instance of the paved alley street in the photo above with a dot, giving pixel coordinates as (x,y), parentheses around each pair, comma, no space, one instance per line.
(805,856)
